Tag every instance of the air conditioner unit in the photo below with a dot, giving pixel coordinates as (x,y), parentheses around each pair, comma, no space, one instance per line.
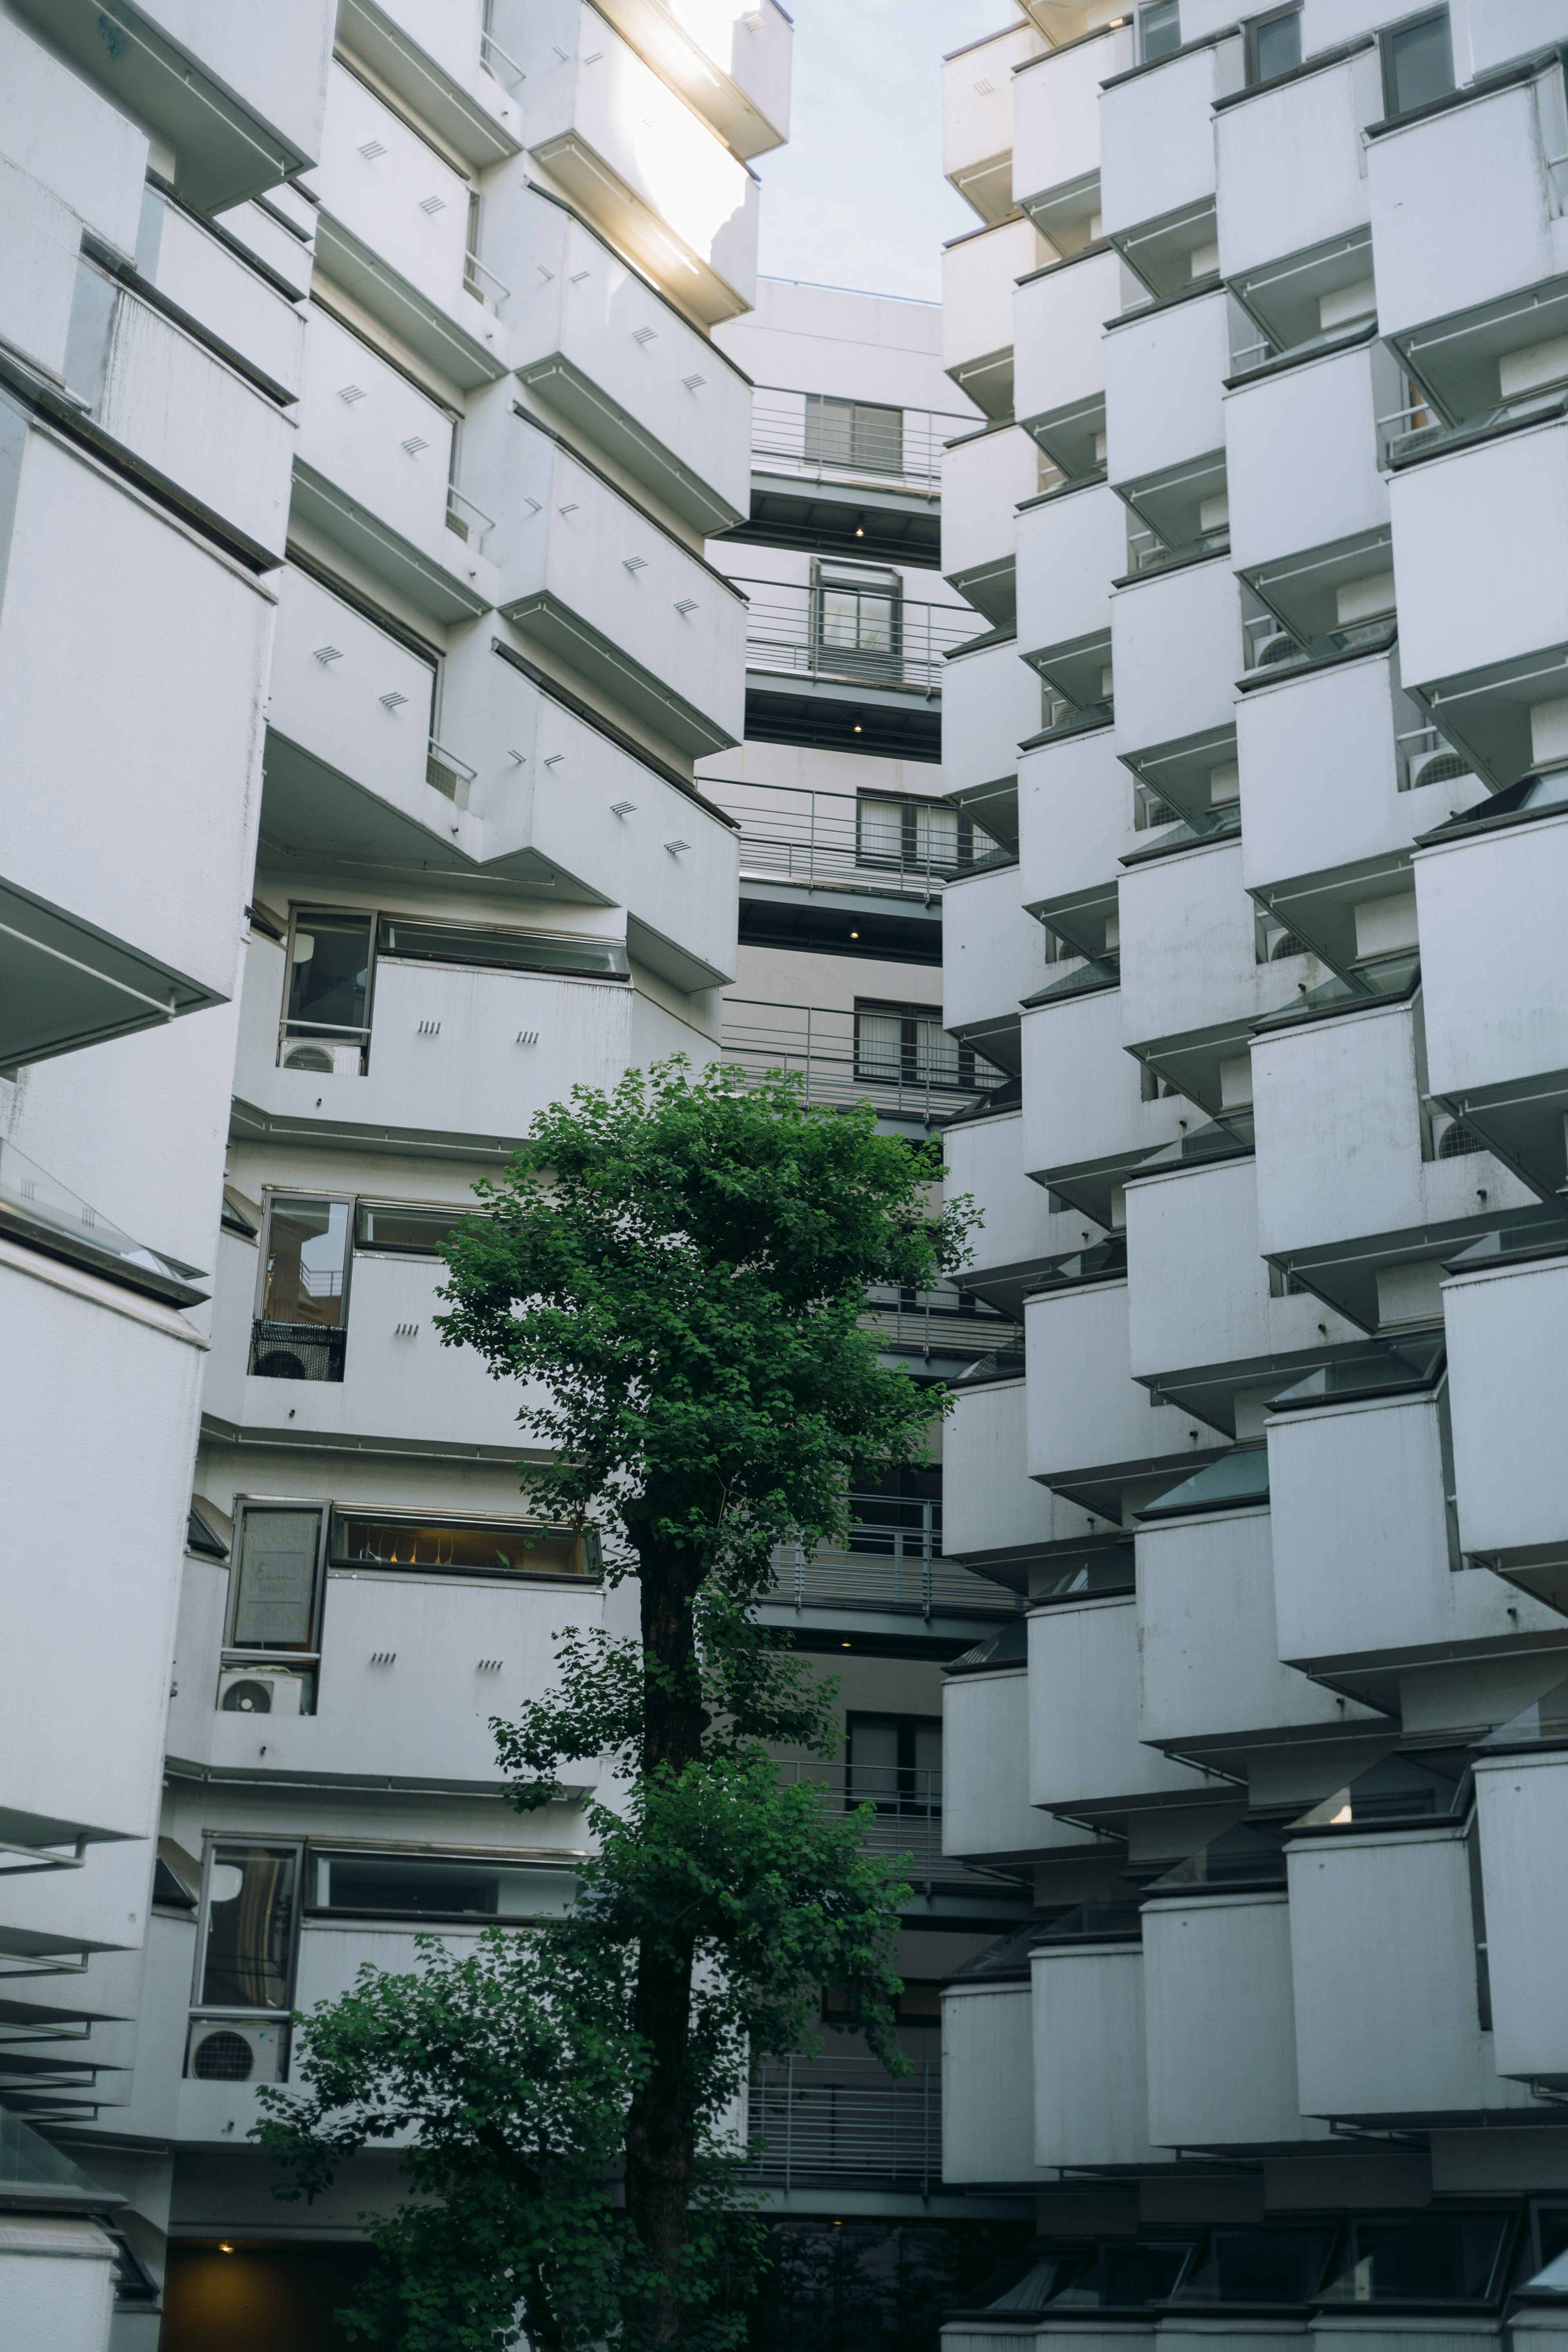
(1276,650)
(322,1059)
(245,1690)
(234,2050)
(1439,767)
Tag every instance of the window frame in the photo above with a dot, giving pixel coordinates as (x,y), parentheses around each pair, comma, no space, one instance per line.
(324,1030)
(272,1192)
(907,1799)
(234,1652)
(198,2008)
(330,1850)
(1256,79)
(334,1562)
(1146,8)
(1386,36)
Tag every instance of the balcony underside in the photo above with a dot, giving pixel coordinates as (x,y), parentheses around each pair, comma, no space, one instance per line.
(870,521)
(826,716)
(839,922)
(585,650)
(64,985)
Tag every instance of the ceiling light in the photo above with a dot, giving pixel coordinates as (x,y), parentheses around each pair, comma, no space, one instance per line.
(854,935)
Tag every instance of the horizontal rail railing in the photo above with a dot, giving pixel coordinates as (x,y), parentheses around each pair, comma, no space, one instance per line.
(892,1559)
(931,1074)
(807,836)
(888,642)
(846,2116)
(827,440)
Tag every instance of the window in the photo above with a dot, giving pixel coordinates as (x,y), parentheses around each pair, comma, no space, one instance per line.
(1257,2266)
(277,1579)
(1417,62)
(850,433)
(244,1964)
(408,1228)
(1451,2259)
(416,941)
(437,1886)
(857,622)
(466,1548)
(905,1045)
(326,1028)
(300,1329)
(1273,44)
(896,1762)
(922,836)
(1159,29)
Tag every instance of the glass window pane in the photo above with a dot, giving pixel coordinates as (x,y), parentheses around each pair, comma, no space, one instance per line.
(1278,47)
(878,1045)
(275,1606)
(874,1761)
(879,826)
(250,1928)
(306,1253)
(1159,28)
(328,981)
(501,951)
(830,429)
(879,438)
(389,1540)
(1447,2260)
(928,1763)
(404,1225)
(400,1885)
(1421,63)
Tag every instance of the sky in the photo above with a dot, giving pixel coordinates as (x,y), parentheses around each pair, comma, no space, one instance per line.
(857,198)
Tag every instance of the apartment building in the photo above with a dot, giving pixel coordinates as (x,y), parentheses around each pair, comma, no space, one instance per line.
(1266,316)
(364,429)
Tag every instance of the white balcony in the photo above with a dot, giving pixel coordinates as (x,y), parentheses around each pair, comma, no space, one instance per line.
(1209,1672)
(453,1079)
(984,1159)
(161,855)
(1157,169)
(1087,1759)
(95,179)
(351,698)
(1497,1023)
(993,955)
(1524,1807)
(988,2082)
(1507,1340)
(376,456)
(403,1690)
(1383,1946)
(1060,358)
(990,704)
(1189,956)
(984,477)
(1220,2021)
(605,590)
(592,339)
(1477,557)
(1075,821)
(1466,206)
(991,1509)
(1093,1430)
(446,67)
(618,142)
(1327,784)
(1056,134)
(394,231)
(194,420)
(978,117)
(187,90)
(83,1725)
(210,281)
(1365,1569)
(1340,1142)
(1292,171)
(1083,1104)
(986,1812)
(1176,654)
(979,272)
(1090,2089)
(747,99)
(1071,546)
(1303,453)
(1199,1289)
(1187,350)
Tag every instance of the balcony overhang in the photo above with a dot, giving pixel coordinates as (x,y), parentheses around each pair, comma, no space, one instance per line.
(821,920)
(588,180)
(454,591)
(471,128)
(829,715)
(1343,1274)
(65,984)
(468,355)
(869,521)
(610,427)
(569,638)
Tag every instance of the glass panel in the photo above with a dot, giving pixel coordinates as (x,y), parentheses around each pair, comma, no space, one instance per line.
(306,1253)
(879,832)
(878,1045)
(250,1928)
(1420,63)
(856,620)
(1257,2267)
(401,1885)
(402,1226)
(382,1541)
(329,981)
(1425,2261)
(852,433)
(501,951)
(936,836)
(928,1766)
(275,1607)
(874,1761)
(1278,47)
(1159,28)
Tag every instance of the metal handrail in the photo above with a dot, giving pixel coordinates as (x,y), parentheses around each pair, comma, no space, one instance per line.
(787,431)
(839,2116)
(935,1073)
(896,1564)
(487,42)
(473,261)
(810,835)
(794,632)
(456,497)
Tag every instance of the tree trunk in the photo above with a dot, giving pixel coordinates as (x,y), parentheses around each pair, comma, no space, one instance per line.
(660,2143)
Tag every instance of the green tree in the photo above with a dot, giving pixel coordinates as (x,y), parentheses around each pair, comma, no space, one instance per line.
(677,1269)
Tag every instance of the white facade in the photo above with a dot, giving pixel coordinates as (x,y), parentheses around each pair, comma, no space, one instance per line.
(1279,1464)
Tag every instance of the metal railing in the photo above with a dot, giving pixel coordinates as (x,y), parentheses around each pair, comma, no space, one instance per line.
(936,1328)
(297,1352)
(892,1561)
(858,637)
(819,2115)
(448,773)
(907,1823)
(817,836)
(826,439)
(472,524)
(928,1074)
